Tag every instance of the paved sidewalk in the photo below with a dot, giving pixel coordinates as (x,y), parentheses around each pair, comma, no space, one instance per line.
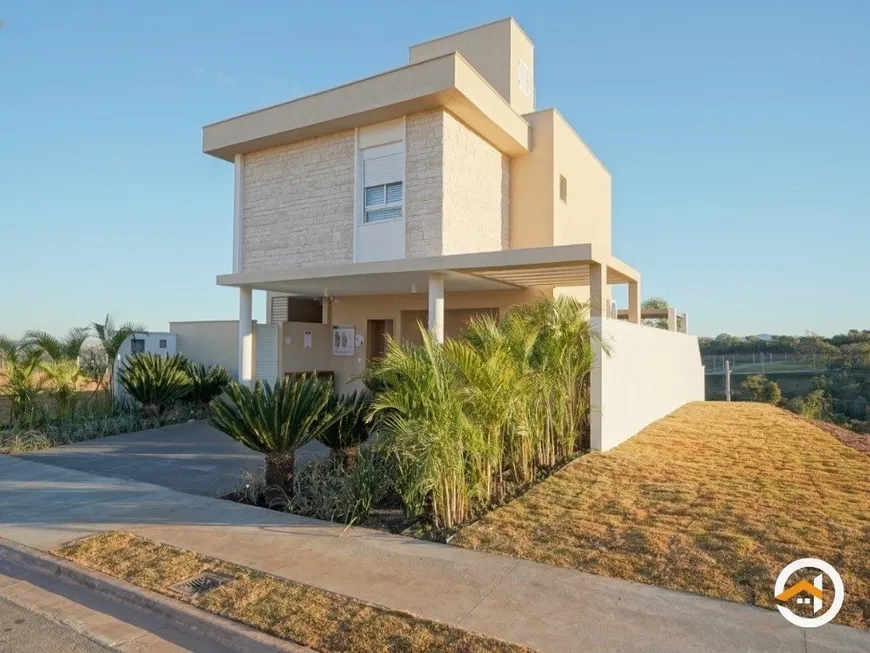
(191,457)
(548,608)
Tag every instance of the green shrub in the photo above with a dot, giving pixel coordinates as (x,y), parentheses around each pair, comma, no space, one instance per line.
(206,383)
(155,381)
(761,389)
(346,434)
(324,491)
(464,419)
(276,421)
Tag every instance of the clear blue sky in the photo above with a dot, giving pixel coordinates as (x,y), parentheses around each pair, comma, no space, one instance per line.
(737,134)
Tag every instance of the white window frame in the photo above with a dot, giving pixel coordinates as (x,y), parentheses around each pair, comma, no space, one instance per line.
(385,204)
(373,153)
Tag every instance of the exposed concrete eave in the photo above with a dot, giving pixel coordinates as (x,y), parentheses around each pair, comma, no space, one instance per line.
(448,82)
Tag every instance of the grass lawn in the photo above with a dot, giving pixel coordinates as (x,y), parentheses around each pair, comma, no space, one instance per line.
(306,615)
(714,499)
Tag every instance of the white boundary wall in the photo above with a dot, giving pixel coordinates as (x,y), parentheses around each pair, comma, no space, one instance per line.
(649,373)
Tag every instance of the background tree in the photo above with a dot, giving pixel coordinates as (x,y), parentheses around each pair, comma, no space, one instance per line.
(19,376)
(111,338)
(661,304)
(59,362)
(94,365)
(761,389)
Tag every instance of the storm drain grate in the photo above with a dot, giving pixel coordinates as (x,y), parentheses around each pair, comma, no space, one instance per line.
(201,583)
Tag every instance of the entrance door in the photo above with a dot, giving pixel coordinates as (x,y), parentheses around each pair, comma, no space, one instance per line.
(377,341)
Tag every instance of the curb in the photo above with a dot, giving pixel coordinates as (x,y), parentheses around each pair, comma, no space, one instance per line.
(204,624)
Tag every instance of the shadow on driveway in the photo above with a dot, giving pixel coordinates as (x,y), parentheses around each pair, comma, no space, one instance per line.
(193,458)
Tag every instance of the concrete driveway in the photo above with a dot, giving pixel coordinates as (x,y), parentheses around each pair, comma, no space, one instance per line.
(193,458)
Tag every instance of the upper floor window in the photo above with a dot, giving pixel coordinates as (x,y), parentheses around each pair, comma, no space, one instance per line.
(383,202)
(563,188)
(383,173)
(137,346)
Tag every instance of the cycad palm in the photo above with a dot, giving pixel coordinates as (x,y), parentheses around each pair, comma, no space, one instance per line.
(276,421)
(348,433)
(155,381)
(206,383)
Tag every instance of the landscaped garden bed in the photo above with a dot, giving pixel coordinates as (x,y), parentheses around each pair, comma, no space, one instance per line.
(442,434)
(322,620)
(57,391)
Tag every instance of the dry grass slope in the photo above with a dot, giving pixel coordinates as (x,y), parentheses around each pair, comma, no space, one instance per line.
(714,499)
(316,618)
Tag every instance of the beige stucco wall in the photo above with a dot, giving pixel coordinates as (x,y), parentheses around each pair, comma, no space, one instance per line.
(476,179)
(586,216)
(356,311)
(494,50)
(298,204)
(532,194)
(209,342)
(539,217)
(295,357)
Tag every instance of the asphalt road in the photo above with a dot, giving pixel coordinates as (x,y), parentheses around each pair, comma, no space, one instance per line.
(22,631)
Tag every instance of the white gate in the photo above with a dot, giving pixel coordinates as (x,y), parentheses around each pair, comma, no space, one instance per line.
(267,352)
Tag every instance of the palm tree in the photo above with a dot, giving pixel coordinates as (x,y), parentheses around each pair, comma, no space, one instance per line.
(346,435)
(276,421)
(59,362)
(111,338)
(19,367)
(426,429)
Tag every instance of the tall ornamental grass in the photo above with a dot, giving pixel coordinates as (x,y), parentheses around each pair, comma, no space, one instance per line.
(465,420)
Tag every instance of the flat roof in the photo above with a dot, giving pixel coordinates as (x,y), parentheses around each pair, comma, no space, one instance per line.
(448,82)
(565,265)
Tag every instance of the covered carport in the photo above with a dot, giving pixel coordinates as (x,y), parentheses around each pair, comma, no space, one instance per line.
(565,267)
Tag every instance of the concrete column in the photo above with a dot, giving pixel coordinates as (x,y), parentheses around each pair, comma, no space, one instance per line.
(598,290)
(238,211)
(246,336)
(436,306)
(672,319)
(685,326)
(634,301)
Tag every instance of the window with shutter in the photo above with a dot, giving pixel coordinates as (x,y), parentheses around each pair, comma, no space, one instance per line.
(383,183)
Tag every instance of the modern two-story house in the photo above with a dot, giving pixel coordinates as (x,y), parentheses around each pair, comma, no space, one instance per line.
(419,196)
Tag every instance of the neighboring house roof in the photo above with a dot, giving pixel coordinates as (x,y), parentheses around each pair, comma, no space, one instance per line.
(797,588)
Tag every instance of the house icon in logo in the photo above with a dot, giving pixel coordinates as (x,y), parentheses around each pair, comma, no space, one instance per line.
(804,593)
